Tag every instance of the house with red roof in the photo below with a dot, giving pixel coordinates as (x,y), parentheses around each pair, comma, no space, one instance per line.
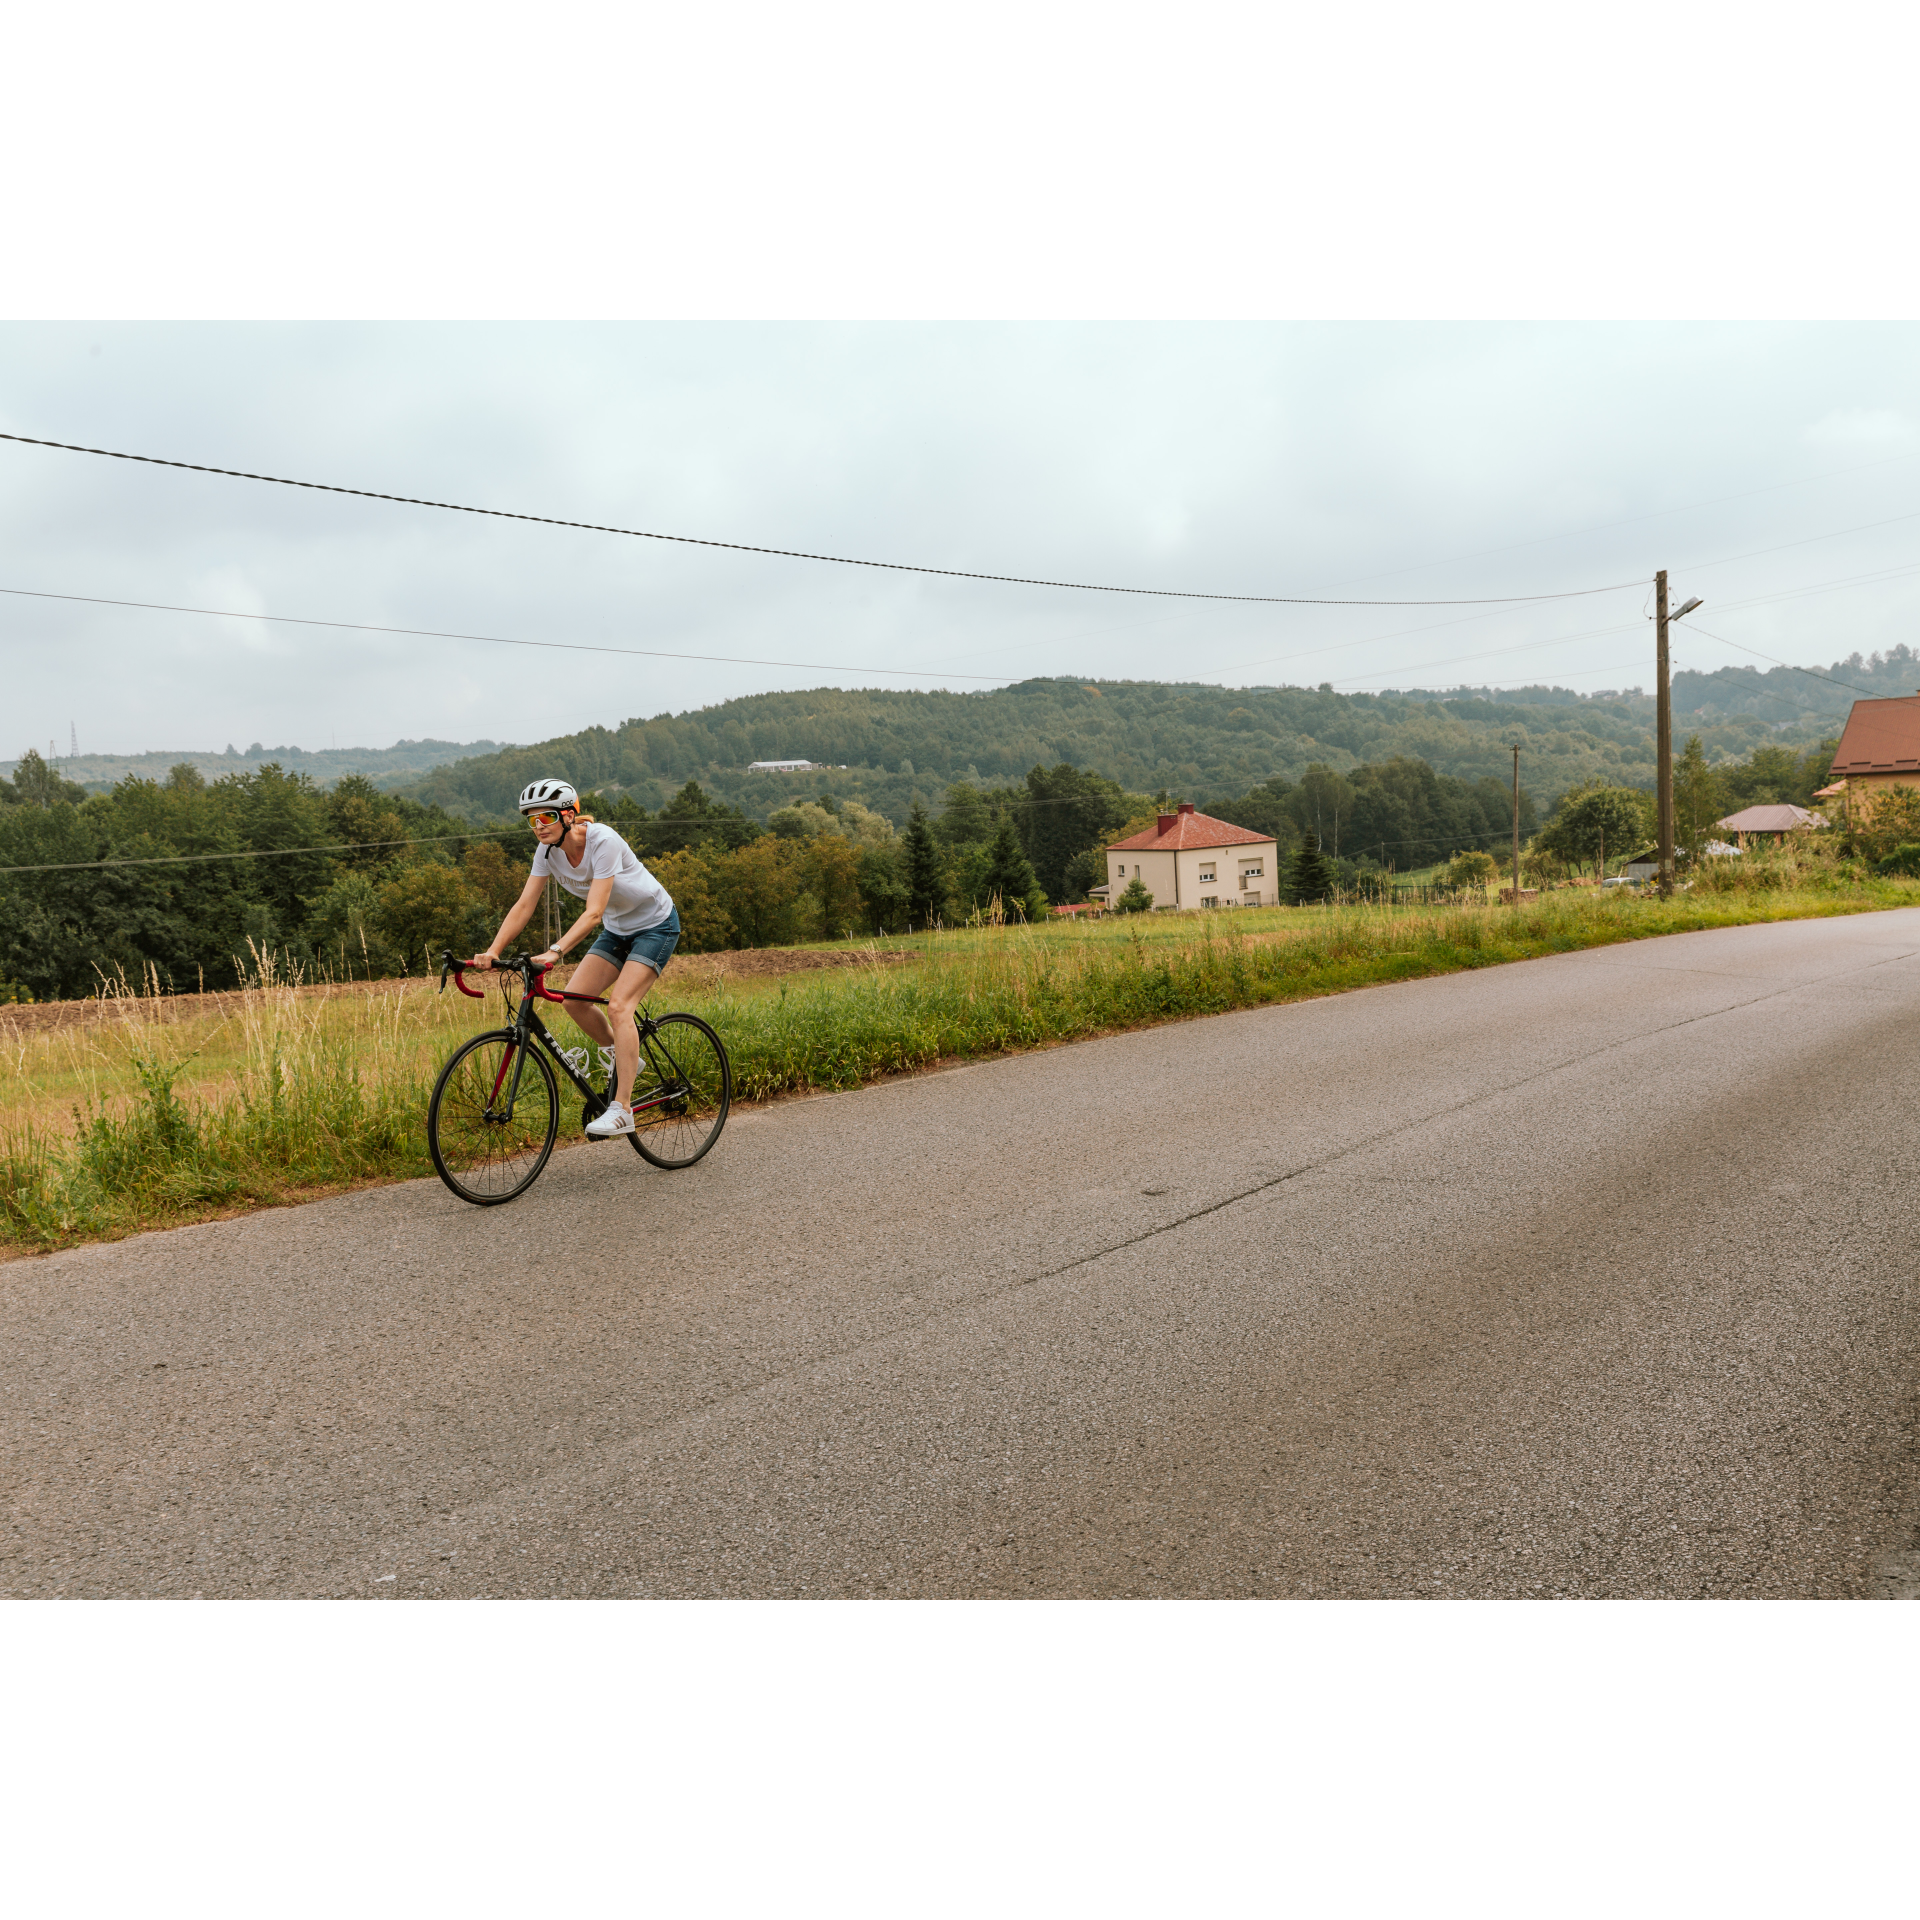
(1879,748)
(1192,860)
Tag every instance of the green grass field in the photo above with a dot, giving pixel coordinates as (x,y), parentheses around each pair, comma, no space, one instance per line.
(132,1120)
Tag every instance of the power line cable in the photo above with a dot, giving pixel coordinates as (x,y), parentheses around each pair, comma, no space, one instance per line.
(1870,692)
(790,553)
(493,639)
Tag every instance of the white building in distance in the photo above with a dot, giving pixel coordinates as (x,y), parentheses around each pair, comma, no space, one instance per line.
(1190,859)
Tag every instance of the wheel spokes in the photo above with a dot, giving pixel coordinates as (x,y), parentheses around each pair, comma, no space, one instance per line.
(489,1131)
(680,1097)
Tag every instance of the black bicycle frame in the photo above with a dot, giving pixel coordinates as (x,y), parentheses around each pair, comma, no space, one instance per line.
(527,1026)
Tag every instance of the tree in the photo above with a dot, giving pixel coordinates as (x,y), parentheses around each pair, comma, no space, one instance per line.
(1881,820)
(1588,819)
(705,925)
(692,819)
(1261,810)
(1321,803)
(1010,878)
(1695,798)
(1068,810)
(883,889)
(429,908)
(343,927)
(35,784)
(1309,880)
(1085,871)
(497,880)
(1135,898)
(761,887)
(970,815)
(926,890)
(834,871)
(1466,870)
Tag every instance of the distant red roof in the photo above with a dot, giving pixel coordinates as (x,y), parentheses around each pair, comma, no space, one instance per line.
(1186,828)
(1881,736)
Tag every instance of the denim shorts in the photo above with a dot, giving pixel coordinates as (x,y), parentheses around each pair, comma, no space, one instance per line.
(653,948)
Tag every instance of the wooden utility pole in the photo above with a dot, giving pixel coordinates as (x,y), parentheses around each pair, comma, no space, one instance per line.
(1516,823)
(1663,733)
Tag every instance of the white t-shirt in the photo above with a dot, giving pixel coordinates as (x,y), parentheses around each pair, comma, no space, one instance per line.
(638,900)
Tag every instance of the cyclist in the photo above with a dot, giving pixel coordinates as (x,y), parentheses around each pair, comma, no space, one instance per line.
(639,929)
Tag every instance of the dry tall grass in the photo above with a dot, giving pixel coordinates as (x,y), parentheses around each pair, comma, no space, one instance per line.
(135,1119)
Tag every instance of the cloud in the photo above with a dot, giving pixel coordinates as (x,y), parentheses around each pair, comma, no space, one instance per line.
(1377,460)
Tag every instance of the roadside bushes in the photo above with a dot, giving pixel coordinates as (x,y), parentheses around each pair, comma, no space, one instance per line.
(1902,862)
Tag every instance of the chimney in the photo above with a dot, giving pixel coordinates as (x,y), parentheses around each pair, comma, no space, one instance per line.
(1166,822)
(1186,806)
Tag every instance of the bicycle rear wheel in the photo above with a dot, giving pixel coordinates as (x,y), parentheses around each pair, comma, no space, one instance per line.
(484,1152)
(682,1093)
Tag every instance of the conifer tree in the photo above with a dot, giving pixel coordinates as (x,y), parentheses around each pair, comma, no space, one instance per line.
(926,891)
(1310,880)
(1010,875)
(1135,898)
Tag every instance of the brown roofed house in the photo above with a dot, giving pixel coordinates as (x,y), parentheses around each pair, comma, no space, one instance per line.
(1879,749)
(1776,822)
(1189,859)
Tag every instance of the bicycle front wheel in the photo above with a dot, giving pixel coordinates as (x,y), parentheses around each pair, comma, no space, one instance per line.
(682,1093)
(493,1117)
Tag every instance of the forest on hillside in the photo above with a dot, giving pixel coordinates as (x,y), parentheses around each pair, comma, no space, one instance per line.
(185,883)
(886,748)
(390,766)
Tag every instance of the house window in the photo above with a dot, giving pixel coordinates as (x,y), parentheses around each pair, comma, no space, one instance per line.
(1251,873)
(1210,901)
(1206,876)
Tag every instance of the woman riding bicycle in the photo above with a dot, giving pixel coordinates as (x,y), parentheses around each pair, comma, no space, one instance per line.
(639,929)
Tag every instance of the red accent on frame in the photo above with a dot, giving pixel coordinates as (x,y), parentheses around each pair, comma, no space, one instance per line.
(500,1077)
(557,998)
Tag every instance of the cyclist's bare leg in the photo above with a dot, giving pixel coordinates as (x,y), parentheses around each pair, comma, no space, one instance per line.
(593,976)
(636,977)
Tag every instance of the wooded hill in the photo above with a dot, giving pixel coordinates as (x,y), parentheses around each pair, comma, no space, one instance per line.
(386,766)
(884,747)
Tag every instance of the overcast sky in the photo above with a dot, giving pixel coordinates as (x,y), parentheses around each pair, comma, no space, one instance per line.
(1385,460)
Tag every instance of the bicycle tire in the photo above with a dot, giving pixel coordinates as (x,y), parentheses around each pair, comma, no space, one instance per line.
(478,1155)
(680,1047)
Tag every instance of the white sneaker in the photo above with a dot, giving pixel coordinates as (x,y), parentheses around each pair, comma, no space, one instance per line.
(616,1119)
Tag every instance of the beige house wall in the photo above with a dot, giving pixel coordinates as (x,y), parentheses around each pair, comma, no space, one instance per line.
(1189,877)
(1862,787)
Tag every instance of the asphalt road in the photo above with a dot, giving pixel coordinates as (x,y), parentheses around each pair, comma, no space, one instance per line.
(1590,1276)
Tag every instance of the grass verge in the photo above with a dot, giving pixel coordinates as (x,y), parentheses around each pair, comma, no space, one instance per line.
(134,1123)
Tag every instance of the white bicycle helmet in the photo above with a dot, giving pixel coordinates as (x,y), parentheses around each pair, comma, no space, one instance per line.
(548,793)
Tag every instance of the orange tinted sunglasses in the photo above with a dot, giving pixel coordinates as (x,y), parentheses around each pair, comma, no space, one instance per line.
(543,819)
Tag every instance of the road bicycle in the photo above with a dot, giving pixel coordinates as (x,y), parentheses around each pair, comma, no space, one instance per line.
(495,1110)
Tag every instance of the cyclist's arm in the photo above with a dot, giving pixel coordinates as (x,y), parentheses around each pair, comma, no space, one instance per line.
(598,894)
(517,917)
